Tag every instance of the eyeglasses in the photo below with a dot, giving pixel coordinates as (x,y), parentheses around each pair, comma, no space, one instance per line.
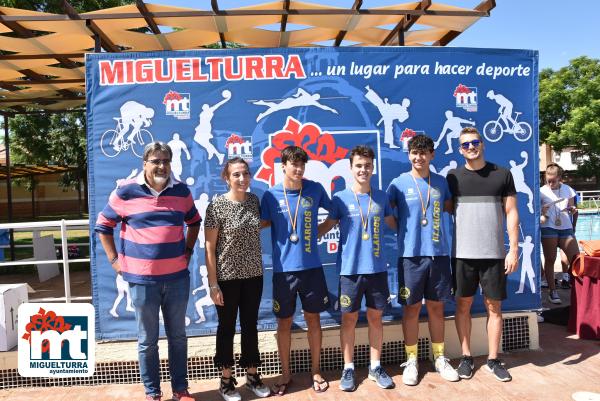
(158,162)
(467,145)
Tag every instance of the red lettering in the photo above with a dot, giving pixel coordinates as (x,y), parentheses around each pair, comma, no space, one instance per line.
(294,66)
(129,77)
(229,74)
(197,72)
(274,66)
(182,69)
(254,67)
(144,71)
(214,71)
(159,74)
(111,73)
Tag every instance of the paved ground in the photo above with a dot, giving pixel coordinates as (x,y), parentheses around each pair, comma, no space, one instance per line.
(564,366)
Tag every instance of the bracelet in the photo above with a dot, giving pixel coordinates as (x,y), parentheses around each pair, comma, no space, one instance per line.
(214,287)
(113,260)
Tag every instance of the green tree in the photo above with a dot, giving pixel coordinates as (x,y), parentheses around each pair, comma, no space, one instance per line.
(51,138)
(570,111)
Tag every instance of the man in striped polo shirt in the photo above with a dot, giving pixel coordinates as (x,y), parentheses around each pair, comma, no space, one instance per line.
(153,258)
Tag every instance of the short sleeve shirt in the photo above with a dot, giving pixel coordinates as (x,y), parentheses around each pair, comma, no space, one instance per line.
(238,250)
(555,211)
(355,254)
(415,239)
(479,210)
(304,254)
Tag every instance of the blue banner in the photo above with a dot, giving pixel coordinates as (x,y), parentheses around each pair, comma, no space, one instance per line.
(214,105)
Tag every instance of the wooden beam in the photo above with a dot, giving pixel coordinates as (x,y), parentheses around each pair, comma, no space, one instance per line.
(72,14)
(40,56)
(485,6)
(28,34)
(42,99)
(215,6)
(241,13)
(43,81)
(284,17)
(147,16)
(341,34)
(405,24)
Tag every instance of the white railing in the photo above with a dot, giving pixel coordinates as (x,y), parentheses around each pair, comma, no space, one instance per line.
(589,196)
(62,224)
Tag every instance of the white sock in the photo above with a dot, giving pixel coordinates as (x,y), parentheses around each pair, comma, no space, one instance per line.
(349,366)
(375,364)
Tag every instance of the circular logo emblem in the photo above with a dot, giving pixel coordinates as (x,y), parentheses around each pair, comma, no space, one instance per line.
(276,306)
(404,293)
(375,209)
(345,301)
(306,202)
(435,193)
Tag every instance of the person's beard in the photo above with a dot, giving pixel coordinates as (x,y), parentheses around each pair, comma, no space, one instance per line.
(160,180)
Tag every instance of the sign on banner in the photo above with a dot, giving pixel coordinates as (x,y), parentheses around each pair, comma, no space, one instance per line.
(210,106)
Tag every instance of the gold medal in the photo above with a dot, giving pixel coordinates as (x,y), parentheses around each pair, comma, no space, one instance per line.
(425,205)
(364,221)
(293,236)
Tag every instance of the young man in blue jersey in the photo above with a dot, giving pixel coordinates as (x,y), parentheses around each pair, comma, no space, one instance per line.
(291,209)
(424,269)
(361,211)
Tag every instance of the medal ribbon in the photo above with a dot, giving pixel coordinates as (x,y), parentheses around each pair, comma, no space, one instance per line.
(287,203)
(424,206)
(365,222)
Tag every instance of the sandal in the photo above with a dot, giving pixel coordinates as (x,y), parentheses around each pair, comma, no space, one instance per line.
(318,388)
(281,389)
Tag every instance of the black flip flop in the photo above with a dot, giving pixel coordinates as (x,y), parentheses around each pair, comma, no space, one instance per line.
(318,389)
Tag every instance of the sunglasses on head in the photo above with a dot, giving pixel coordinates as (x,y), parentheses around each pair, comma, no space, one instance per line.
(158,162)
(467,145)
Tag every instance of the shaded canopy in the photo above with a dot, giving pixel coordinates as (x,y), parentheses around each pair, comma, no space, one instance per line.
(42,64)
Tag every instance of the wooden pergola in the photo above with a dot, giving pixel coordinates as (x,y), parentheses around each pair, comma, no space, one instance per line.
(42,55)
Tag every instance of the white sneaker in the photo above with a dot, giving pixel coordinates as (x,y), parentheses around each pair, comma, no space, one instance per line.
(255,384)
(228,391)
(544,283)
(410,375)
(443,367)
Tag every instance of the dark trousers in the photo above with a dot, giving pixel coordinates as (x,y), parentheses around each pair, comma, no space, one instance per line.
(245,295)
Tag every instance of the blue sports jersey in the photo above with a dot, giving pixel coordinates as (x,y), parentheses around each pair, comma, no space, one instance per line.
(356,255)
(413,238)
(304,254)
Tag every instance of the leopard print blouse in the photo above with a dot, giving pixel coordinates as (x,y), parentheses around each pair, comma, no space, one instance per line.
(239,253)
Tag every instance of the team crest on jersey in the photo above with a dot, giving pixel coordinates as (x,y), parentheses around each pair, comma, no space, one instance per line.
(375,208)
(345,301)
(306,202)
(435,193)
(404,292)
(276,306)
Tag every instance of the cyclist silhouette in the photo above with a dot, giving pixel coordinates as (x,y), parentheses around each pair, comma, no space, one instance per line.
(506,108)
(133,114)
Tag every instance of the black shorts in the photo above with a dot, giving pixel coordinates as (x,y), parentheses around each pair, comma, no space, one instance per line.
(308,284)
(374,287)
(468,274)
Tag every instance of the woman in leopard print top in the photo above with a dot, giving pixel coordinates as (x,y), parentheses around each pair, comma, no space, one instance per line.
(235,275)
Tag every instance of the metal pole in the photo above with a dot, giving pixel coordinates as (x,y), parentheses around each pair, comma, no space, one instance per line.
(65,257)
(32,178)
(9,188)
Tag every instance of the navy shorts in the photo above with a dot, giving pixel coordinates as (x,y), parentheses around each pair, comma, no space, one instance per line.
(373,286)
(424,277)
(309,284)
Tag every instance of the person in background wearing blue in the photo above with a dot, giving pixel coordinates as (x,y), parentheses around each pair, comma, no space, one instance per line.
(424,269)
(361,211)
(291,209)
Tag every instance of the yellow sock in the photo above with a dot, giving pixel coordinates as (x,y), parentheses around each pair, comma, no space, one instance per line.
(438,349)
(411,351)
